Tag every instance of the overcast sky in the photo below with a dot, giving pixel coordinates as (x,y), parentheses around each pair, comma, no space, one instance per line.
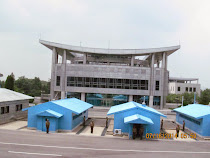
(125,23)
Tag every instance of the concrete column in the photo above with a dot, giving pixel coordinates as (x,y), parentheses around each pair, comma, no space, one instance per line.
(63,94)
(63,77)
(151,98)
(84,58)
(164,60)
(163,75)
(130,98)
(83,96)
(132,60)
(152,80)
(53,77)
(158,64)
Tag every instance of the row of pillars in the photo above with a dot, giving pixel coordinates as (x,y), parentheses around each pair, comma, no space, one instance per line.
(152,76)
(163,79)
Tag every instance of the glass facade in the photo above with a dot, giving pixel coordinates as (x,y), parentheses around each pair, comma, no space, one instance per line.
(105,99)
(73,95)
(156,100)
(140,99)
(107,83)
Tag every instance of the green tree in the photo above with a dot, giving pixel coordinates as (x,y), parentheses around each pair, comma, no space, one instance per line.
(205,97)
(177,98)
(2,83)
(23,85)
(32,87)
(45,87)
(9,83)
(36,86)
(188,98)
(174,98)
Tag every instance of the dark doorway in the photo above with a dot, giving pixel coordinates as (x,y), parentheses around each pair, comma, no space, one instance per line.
(137,126)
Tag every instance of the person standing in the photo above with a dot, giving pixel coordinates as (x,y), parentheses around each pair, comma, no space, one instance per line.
(47,125)
(177,130)
(161,126)
(84,121)
(107,120)
(91,126)
(183,125)
(141,132)
(134,132)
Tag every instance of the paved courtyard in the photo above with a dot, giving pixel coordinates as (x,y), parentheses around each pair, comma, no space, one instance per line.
(98,115)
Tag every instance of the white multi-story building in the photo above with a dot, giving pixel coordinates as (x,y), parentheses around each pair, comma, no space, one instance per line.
(182,85)
(106,77)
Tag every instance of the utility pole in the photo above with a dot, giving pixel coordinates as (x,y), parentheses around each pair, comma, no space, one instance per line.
(182,100)
(194,97)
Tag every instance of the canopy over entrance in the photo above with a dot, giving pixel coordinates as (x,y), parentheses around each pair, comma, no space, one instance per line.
(50,113)
(138,119)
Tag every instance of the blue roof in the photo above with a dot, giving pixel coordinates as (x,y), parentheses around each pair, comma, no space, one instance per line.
(121,107)
(147,108)
(138,119)
(75,105)
(132,105)
(50,113)
(194,110)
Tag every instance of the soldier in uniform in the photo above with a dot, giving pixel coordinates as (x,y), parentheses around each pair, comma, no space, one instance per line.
(84,121)
(177,130)
(183,125)
(107,120)
(161,126)
(91,126)
(47,125)
(141,132)
(134,132)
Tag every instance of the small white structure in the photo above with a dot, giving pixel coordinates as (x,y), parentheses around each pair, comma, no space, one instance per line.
(181,85)
(11,105)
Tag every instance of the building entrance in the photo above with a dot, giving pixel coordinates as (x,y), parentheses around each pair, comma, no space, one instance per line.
(137,130)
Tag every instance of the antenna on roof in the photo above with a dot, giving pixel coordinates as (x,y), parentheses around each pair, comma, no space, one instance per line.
(80,43)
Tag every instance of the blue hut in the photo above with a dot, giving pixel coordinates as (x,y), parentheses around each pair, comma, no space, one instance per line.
(196,117)
(131,114)
(63,114)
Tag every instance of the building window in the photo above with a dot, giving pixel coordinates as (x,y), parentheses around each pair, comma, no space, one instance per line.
(7,109)
(73,95)
(58,80)
(105,99)
(2,110)
(19,107)
(179,88)
(190,89)
(157,86)
(156,100)
(186,89)
(194,89)
(107,83)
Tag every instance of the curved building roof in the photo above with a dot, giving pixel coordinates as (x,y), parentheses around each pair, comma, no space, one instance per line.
(79,49)
(182,79)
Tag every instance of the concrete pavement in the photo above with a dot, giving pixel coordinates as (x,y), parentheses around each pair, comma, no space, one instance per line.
(21,144)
